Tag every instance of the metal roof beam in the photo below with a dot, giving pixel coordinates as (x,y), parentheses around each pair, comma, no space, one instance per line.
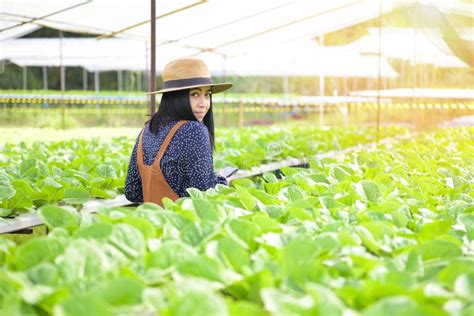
(34,20)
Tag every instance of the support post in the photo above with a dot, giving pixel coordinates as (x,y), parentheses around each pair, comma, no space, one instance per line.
(119,81)
(62,74)
(139,81)
(415,70)
(25,78)
(153,57)
(127,81)
(379,65)
(84,79)
(321,89)
(96,86)
(45,78)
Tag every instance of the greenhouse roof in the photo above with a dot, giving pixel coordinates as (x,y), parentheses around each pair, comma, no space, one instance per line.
(416,45)
(239,32)
(201,23)
(221,26)
(81,16)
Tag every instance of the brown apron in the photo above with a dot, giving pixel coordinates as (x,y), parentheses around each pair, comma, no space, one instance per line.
(154,185)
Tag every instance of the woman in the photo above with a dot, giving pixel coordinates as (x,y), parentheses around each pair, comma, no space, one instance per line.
(174,150)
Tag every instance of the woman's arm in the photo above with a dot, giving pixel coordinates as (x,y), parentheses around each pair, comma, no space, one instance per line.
(133,182)
(221,179)
(196,154)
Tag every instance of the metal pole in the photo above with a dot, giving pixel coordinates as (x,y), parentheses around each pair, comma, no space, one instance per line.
(96,82)
(25,78)
(414,74)
(321,89)
(84,79)
(139,81)
(415,71)
(379,69)
(96,86)
(127,81)
(119,80)
(225,114)
(401,77)
(147,72)
(45,78)
(153,57)
(62,79)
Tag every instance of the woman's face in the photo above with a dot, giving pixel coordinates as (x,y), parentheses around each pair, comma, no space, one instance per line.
(200,99)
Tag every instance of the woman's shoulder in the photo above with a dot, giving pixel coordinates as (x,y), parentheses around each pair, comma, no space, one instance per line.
(194,128)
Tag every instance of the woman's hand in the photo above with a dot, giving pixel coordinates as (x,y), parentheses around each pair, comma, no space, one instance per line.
(227,172)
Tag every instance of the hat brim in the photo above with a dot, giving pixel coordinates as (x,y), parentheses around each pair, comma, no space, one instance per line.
(215,88)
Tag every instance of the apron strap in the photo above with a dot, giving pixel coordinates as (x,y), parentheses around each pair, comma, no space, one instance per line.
(166,142)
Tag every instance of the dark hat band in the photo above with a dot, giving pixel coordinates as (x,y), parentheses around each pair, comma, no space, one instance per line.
(171,84)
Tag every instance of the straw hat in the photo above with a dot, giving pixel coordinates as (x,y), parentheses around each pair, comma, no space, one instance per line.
(185,73)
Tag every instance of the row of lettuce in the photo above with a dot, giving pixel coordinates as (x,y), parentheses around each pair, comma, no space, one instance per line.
(72,172)
(385,232)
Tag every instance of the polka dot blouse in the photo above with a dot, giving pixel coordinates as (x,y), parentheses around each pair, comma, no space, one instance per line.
(187,163)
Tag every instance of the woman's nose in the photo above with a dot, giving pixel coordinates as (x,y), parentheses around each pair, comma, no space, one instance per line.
(203,101)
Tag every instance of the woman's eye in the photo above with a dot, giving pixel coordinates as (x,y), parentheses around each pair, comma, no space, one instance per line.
(196,94)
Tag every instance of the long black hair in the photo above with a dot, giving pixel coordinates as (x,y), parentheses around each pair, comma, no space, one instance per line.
(175,106)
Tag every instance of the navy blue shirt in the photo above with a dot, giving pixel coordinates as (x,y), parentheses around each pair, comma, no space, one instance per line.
(187,162)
